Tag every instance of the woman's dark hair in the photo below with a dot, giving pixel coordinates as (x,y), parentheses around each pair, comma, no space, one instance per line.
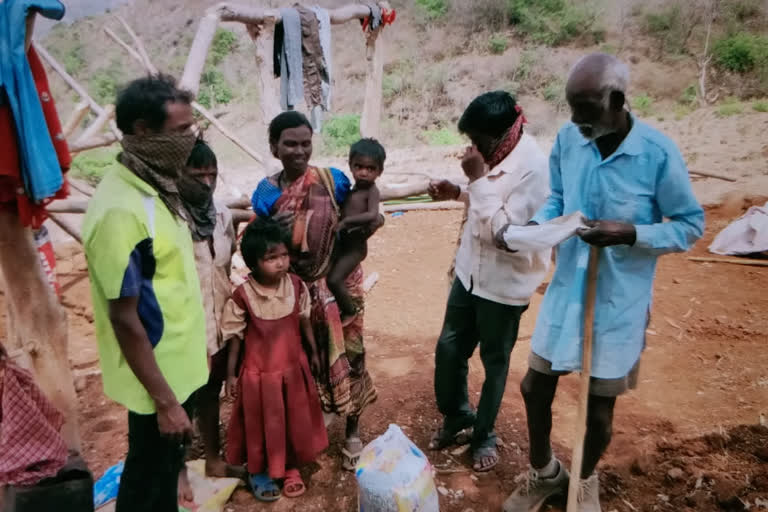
(202,156)
(145,98)
(371,148)
(286,121)
(260,235)
(492,113)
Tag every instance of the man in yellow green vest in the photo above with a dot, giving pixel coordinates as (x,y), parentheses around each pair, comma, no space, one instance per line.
(147,305)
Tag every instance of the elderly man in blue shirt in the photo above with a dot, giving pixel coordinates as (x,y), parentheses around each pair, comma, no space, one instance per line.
(628,178)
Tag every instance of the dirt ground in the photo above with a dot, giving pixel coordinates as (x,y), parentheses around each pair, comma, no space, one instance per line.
(687,439)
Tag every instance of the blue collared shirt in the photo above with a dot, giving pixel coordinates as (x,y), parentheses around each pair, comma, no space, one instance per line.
(643,183)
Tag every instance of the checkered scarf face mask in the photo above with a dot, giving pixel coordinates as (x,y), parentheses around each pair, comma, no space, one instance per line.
(159,159)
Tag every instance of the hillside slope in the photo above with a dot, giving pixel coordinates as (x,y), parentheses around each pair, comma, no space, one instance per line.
(433,69)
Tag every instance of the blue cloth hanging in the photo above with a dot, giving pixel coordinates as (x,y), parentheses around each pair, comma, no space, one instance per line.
(40,169)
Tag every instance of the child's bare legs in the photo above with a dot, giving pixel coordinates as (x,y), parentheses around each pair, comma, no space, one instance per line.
(351,253)
(186,494)
(208,420)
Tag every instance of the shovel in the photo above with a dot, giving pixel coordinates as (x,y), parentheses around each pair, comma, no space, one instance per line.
(586,373)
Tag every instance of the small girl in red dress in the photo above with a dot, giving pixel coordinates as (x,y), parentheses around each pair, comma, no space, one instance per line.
(277,423)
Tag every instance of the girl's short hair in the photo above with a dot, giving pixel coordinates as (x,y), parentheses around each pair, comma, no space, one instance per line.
(261,235)
(371,148)
(286,121)
(202,156)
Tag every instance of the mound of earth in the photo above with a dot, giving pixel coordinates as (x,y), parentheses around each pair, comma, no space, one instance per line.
(721,471)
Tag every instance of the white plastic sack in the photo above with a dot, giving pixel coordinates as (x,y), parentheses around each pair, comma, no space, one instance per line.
(746,235)
(395,476)
(544,236)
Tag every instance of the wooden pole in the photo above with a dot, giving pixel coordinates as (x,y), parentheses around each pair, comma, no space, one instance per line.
(586,372)
(125,46)
(732,261)
(269,90)
(248,15)
(37,334)
(71,82)
(199,108)
(712,175)
(68,228)
(441,205)
(374,76)
(139,46)
(225,131)
(81,110)
(97,125)
(81,186)
(96,142)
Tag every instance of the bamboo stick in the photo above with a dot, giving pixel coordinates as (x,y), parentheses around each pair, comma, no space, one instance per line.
(81,110)
(69,228)
(248,15)
(146,61)
(225,131)
(96,142)
(440,205)
(733,261)
(124,45)
(81,186)
(71,82)
(199,108)
(712,175)
(97,125)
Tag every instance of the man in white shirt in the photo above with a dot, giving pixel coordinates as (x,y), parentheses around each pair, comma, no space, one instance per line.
(508,182)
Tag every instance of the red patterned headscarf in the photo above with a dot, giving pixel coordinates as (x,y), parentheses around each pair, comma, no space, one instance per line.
(509,141)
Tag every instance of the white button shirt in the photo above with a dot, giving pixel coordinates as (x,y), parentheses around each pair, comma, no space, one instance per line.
(510,193)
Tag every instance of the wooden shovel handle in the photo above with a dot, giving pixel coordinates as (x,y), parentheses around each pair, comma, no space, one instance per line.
(586,373)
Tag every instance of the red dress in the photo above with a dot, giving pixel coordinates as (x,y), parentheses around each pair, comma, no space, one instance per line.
(277,422)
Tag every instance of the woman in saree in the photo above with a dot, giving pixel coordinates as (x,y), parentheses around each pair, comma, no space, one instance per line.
(306,201)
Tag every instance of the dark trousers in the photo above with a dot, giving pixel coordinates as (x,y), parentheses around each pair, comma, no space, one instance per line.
(150,478)
(470,320)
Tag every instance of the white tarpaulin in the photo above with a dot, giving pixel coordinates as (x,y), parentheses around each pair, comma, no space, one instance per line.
(746,235)
(544,236)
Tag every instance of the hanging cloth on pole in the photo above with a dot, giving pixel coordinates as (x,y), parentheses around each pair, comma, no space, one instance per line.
(324,25)
(288,61)
(40,168)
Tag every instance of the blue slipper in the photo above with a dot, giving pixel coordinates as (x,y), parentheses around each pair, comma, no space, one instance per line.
(261,485)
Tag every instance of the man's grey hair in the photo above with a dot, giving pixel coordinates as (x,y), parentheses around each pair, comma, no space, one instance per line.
(614,74)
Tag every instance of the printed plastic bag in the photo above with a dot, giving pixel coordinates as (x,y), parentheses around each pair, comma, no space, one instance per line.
(105,488)
(395,476)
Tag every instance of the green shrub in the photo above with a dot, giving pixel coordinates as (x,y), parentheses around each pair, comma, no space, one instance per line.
(742,11)
(433,9)
(498,44)
(103,86)
(643,104)
(224,43)
(554,22)
(442,137)
(673,25)
(214,89)
(689,95)
(760,106)
(742,52)
(730,107)
(74,61)
(554,93)
(93,164)
(340,132)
